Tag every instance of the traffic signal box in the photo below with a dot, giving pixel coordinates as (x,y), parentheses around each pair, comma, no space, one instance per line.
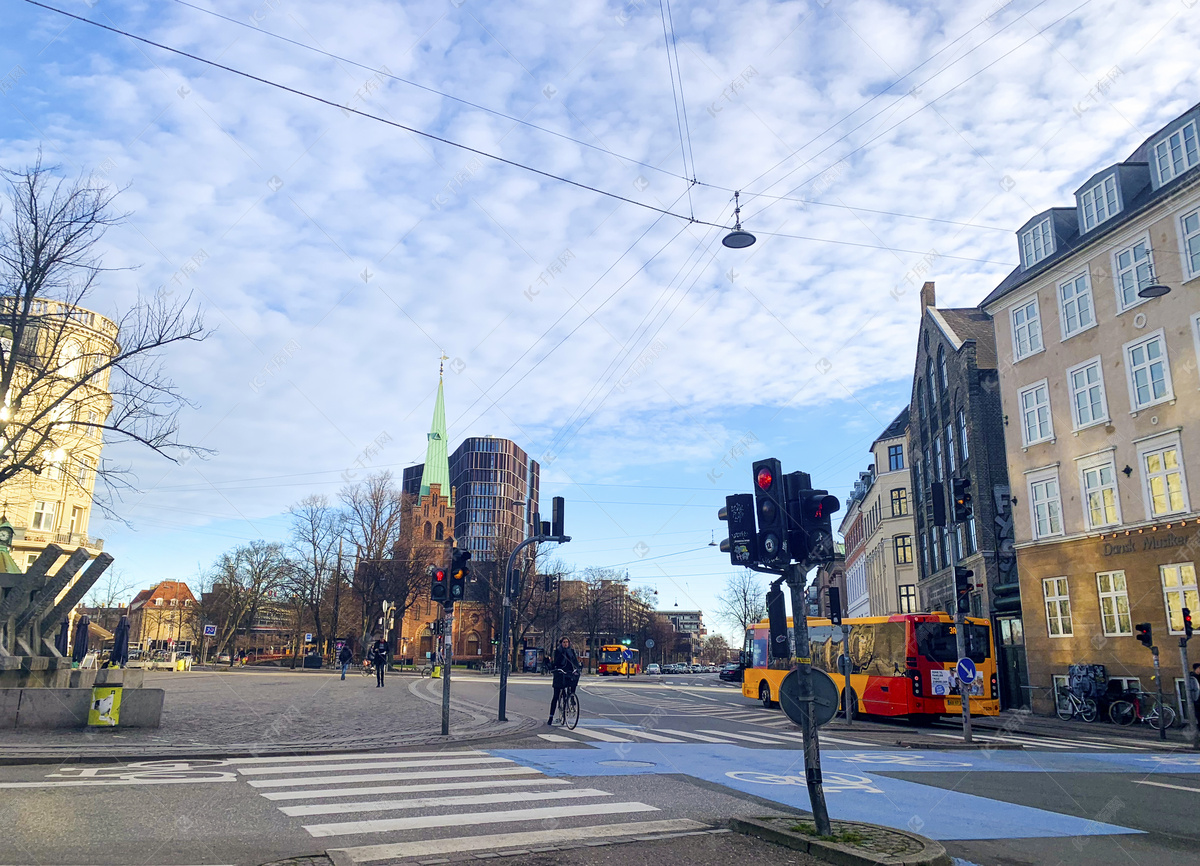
(771,513)
(1187,625)
(459,572)
(1144,634)
(935,512)
(742,543)
(835,605)
(961,493)
(809,520)
(962,588)
(439,585)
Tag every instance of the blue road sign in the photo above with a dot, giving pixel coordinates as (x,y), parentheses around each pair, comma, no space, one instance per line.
(966,671)
(627,655)
(210,631)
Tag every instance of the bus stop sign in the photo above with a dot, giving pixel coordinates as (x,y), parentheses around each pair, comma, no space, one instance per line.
(966,671)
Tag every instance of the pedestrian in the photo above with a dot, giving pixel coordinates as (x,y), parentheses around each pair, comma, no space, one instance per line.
(345,657)
(566,674)
(1193,687)
(379,654)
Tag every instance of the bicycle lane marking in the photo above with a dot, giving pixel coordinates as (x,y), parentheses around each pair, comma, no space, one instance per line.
(161,772)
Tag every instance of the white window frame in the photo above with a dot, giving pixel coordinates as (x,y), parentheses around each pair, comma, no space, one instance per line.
(1196,335)
(1190,272)
(1038,477)
(1165,141)
(1052,583)
(1155,444)
(1029,240)
(1104,416)
(1114,595)
(1036,320)
(1169,393)
(1077,294)
(951,453)
(1189,593)
(1097,462)
(911,596)
(46,523)
(1099,203)
(1143,240)
(1046,433)
(965,452)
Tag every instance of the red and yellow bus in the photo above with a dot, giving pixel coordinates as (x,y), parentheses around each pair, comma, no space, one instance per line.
(612,661)
(901,665)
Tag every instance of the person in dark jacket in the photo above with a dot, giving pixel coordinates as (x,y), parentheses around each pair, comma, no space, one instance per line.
(345,657)
(566,674)
(379,654)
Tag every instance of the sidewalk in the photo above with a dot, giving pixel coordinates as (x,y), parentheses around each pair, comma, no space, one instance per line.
(228,713)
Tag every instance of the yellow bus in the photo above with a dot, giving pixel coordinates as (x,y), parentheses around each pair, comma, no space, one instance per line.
(901,665)
(612,661)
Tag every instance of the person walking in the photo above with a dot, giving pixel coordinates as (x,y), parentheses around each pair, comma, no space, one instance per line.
(566,674)
(345,657)
(379,654)
(1193,690)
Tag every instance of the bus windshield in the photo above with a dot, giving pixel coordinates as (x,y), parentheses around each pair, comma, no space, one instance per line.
(937,641)
(610,656)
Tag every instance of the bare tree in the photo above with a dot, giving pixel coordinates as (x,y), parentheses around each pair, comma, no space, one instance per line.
(375,525)
(743,601)
(715,650)
(315,534)
(67,378)
(242,583)
(594,604)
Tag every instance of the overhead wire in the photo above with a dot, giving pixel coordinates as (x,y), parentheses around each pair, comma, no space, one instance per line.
(672,65)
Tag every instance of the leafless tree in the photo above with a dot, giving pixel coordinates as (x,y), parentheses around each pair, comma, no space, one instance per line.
(242,583)
(743,601)
(66,376)
(374,524)
(594,604)
(316,530)
(715,650)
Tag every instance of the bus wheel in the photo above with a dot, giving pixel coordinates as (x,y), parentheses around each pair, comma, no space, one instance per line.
(853,701)
(764,695)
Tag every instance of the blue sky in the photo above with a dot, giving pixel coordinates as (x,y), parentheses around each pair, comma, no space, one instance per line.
(338,257)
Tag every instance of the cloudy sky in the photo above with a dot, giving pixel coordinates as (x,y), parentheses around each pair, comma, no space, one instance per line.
(338,255)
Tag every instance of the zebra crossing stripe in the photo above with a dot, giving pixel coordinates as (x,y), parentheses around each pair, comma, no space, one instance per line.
(692,736)
(501,841)
(646,735)
(395,777)
(321,793)
(430,802)
(373,765)
(557,738)
(1015,740)
(285,759)
(748,738)
(601,736)
(422,822)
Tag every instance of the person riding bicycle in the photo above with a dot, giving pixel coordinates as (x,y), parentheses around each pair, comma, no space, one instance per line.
(566,674)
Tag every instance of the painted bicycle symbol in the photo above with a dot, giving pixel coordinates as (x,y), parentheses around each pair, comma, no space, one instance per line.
(1186,760)
(152,772)
(832,782)
(903,760)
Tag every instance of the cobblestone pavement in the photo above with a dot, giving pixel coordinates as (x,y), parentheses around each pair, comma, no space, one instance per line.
(236,712)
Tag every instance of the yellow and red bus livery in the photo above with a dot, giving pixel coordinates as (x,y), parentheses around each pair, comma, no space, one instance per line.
(612,661)
(901,665)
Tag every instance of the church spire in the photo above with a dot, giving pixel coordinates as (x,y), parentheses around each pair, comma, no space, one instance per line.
(437,461)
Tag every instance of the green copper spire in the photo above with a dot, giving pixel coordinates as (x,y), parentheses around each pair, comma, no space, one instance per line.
(437,461)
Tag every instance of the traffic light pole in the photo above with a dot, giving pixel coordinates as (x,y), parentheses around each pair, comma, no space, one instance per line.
(812,748)
(847,667)
(447,659)
(1162,729)
(960,634)
(1189,709)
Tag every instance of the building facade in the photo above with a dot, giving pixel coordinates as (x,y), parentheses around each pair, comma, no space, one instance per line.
(163,617)
(1102,414)
(832,573)
(889,560)
(857,599)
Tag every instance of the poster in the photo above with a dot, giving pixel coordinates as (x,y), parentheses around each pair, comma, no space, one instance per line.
(941,682)
(105,710)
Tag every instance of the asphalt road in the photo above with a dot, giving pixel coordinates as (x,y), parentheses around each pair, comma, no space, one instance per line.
(651,759)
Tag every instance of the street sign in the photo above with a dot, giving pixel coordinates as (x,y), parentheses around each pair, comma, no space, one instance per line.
(966,671)
(649,643)
(210,631)
(627,655)
(308,637)
(825,696)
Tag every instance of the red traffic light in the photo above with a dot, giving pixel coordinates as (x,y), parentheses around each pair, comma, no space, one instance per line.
(439,574)
(764,479)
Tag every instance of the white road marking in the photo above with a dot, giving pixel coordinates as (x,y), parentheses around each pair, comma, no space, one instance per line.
(646,735)
(372,765)
(824,738)
(1014,740)
(762,741)
(429,802)
(1165,785)
(601,736)
(321,793)
(101,783)
(394,777)
(525,839)
(284,759)
(421,822)
(699,737)
(558,738)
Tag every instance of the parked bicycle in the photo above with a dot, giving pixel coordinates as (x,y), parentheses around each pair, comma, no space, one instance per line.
(1071,705)
(1128,710)
(366,668)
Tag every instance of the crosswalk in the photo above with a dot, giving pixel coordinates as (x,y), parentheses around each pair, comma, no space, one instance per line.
(1057,743)
(630,734)
(412,805)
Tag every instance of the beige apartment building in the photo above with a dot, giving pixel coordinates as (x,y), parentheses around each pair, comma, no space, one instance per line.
(1101,395)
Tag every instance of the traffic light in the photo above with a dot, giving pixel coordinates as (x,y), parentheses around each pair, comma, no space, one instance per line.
(1187,624)
(962,587)
(835,605)
(936,508)
(551,582)
(439,587)
(809,520)
(742,543)
(769,502)
(1144,634)
(777,621)
(961,490)
(458,574)
(556,516)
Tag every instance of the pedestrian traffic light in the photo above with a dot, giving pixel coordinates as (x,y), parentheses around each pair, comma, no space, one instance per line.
(835,605)
(1187,624)
(961,490)
(962,587)
(1144,634)
(809,520)
(742,543)
(551,582)
(769,506)
(459,571)
(936,513)
(439,587)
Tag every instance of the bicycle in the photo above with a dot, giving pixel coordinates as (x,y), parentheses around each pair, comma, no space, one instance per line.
(425,671)
(366,669)
(568,706)
(1128,709)
(1071,705)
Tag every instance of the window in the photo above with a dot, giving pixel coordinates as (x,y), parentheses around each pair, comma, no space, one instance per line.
(921,401)
(962,435)
(1035,413)
(941,368)
(1164,480)
(1075,305)
(933,394)
(899,502)
(904,549)
(1100,495)
(1179,591)
(943,543)
(937,459)
(931,470)
(1176,153)
(1148,371)
(1190,235)
(83,472)
(1133,267)
(43,515)
(1037,243)
(1114,603)
(908,599)
(1099,203)
(1088,405)
(76,520)
(1027,330)
(950,452)
(1058,607)
(972,543)
(92,419)
(924,555)
(1047,505)
(895,458)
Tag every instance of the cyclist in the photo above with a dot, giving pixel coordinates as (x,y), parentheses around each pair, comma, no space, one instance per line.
(566,674)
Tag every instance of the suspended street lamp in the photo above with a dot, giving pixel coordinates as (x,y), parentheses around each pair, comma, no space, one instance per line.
(738,239)
(1154,289)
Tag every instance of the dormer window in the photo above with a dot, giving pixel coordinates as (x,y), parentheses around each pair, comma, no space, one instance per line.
(1176,153)
(1099,203)
(1037,243)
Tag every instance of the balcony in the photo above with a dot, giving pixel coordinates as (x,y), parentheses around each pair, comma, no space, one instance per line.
(67,539)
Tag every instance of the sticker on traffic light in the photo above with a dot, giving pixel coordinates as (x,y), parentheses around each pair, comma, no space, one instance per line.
(742,543)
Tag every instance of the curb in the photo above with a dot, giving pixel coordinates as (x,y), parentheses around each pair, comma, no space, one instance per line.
(933,854)
(962,747)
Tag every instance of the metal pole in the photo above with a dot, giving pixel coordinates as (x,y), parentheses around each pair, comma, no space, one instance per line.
(960,634)
(1189,710)
(812,747)
(1162,729)
(847,666)
(447,658)
(507,621)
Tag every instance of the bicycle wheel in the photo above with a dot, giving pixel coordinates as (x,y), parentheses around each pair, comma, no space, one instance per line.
(1088,710)
(571,711)
(1066,708)
(1164,718)
(1121,713)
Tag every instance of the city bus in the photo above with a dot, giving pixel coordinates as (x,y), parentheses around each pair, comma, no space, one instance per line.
(612,661)
(901,665)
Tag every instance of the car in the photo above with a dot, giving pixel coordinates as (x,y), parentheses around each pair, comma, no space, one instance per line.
(653,669)
(224,659)
(696,669)
(732,673)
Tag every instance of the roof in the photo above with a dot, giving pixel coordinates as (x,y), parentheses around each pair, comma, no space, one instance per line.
(162,589)
(970,324)
(437,462)
(895,429)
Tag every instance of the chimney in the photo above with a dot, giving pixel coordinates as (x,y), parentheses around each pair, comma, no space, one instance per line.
(928,298)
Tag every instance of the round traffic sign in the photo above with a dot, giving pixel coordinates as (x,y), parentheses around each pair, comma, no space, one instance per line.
(966,670)
(649,643)
(825,697)
(627,654)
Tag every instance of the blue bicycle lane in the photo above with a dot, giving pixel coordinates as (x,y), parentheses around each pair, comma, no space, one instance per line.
(855,788)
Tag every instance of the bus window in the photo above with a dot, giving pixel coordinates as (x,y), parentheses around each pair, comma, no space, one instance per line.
(938,642)
(885,656)
(756,648)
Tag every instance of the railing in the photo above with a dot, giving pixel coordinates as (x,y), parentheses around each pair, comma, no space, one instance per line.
(78,539)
